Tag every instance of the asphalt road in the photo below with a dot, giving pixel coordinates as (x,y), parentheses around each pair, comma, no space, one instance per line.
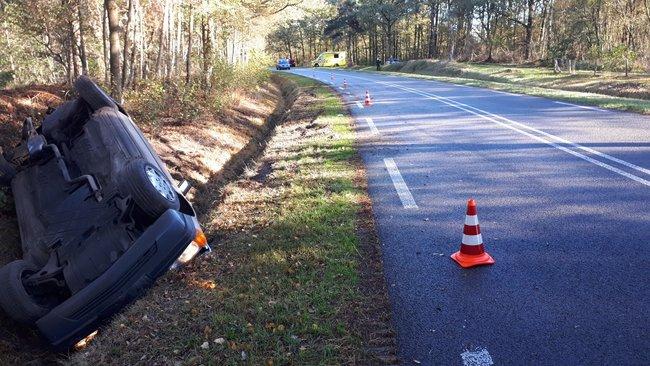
(563,193)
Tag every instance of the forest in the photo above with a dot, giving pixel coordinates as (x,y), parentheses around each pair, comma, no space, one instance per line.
(591,34)
(131,43)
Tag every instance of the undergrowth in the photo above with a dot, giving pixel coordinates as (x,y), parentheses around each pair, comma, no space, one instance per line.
(154,103)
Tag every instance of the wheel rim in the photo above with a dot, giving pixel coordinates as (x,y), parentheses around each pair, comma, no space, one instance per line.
(160,183)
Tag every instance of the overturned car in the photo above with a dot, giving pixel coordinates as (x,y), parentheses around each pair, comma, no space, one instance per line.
(99,218)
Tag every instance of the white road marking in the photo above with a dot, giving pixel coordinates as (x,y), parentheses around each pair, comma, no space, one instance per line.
(359,105)
(400,186)
(583,107)
(486,115)
(479,357)
(493,118)
(507,93)
(372,126)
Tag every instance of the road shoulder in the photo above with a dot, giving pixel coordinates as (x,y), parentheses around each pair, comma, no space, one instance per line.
(295,276)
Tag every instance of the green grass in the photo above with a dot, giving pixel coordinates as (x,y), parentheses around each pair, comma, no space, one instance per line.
(282,285)
(606,90)
(299,304)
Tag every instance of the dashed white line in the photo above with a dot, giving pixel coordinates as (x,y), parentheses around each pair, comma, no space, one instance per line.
(507,93)
(493,118)
(372,126)
(478,357)
(359,105)
(402,189)
(583,107)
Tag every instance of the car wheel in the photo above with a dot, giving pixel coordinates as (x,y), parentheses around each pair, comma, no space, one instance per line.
(316,65)
(336,65)
(93,94)
(149,188)
(14,299)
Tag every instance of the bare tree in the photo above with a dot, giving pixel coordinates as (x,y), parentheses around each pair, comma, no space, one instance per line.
(114,42)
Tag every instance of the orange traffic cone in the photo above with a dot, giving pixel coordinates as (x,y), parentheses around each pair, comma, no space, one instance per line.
(368,101)
(472,252)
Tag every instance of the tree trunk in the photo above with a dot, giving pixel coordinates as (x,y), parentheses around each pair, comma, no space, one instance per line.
(107,72)
(125,50)
(207,51)
(389,40)
(188,61)
(72,42)
(82,41)
(161,41)
(529,30)
(114,41)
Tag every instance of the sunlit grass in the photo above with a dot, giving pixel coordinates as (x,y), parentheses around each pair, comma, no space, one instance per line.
(296,278)
(282,283)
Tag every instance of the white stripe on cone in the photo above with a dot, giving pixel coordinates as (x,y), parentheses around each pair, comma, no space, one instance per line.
(472,239)
(471,220)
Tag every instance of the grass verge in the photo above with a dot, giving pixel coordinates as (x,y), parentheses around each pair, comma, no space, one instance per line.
(295,276)
(606,90)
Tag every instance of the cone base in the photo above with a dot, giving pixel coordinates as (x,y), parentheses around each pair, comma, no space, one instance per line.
(467,260)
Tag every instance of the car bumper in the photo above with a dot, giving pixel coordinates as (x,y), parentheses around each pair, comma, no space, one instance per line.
(127,279)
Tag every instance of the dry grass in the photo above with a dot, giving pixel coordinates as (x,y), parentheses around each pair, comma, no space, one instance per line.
(286,281)
(295,276)
(208,152)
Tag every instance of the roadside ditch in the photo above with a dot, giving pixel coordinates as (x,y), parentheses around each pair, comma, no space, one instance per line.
(295,275)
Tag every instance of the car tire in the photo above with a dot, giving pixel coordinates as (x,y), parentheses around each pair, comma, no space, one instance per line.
(93,94)
(316,65)
(336,65)
(14,299)
(137,180)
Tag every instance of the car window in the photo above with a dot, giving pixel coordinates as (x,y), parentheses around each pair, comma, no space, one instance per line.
(336,55)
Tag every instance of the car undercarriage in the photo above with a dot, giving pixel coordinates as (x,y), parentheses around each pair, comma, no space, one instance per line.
(99,217)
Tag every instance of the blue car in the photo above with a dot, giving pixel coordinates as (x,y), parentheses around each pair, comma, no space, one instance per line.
(283,64)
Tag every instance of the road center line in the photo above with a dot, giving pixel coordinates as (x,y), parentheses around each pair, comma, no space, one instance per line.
(372,126)
(400,186)
(493,118)
(487,116)
(359,105)
(484,114)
